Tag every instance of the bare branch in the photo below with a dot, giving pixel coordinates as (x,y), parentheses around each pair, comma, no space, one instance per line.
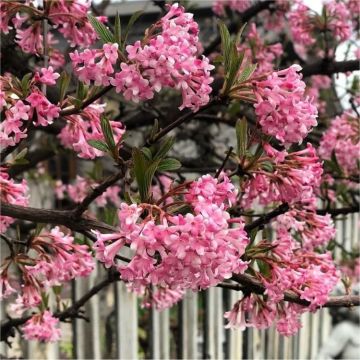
(251,284)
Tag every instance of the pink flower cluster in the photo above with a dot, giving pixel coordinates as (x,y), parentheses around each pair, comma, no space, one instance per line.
(294,177)
(54,259)
(95,65)
(342,138)
(80,189)
(304,24)
(252,311)
(281,107)
(315,230)
(300,24)
(235,5)
(191,251)
(35,107)
(12,193)
(69,17)
(168,59)
(339,19)
(42,327)
(257,51)
(67,260)
(309,274)
(46,112)
(72,22)
(86,126)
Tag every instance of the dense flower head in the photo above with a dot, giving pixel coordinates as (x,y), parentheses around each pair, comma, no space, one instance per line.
(300,24)
(46,112)
(281,107)
(69,17)
(42,327)
(235,5)
(315,230)
(95,65)
(294,177)
(12,193)
(47,76)
(72,22)
(168,58)
(12,128)
(342,138)
(190,251)
(87,126)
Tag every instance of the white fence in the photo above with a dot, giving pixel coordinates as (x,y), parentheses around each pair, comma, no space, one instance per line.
(193,329)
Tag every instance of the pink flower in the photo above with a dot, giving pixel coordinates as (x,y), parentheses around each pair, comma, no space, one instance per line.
(84,127)
(48,76)
(342,138)
(5,288)
(12,193)
(282,110)
(45,111)
(42,327)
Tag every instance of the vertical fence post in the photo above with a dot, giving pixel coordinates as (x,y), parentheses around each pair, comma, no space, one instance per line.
(126,323)
(189,326)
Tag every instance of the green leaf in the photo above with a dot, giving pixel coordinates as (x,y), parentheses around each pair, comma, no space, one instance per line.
(64,84)
(107,131)
(104,33)
(139,168)
(165,147)
(247,73)
(21,154)
(147,153)
(98,144)
(81,91)
(117,29)
(155,129)
(225,45)
(241,136)
(149,174)
(169,164)
(238,36)
(131,22)
(25,82)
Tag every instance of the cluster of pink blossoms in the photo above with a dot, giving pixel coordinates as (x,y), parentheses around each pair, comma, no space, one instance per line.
(342,138)
(80,189)
(87,126)
(34,107)
(42,269)
(42,327)
(167,59)
(12,193)
(235,5)
(304,25)
(191,251)
(281,107)
(308,274)
(295,176)
(70,18)
(258,51)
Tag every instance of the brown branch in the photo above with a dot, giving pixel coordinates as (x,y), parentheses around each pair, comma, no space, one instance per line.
(266,218)
(75,110)
(56,217)
(339,211)
(180,120)
(251,284)
(324,67)
(71,312)
(97,191)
